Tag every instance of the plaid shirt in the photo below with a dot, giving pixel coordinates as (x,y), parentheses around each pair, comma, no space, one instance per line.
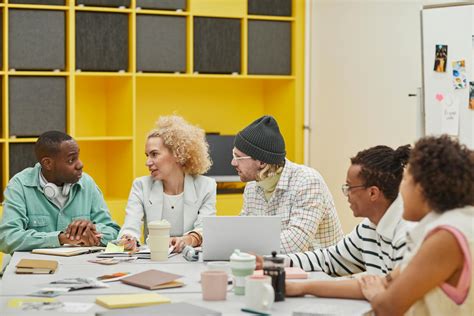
(305,205)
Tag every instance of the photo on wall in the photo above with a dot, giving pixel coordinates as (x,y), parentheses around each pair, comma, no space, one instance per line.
(471,95)
(441,57)
(459,74)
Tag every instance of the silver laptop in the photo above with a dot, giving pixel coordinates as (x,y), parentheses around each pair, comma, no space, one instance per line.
(223,234)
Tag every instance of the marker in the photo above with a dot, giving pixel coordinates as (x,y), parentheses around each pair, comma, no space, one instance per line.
(253,311)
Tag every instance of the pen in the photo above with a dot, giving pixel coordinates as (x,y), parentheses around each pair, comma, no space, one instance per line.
(253,311)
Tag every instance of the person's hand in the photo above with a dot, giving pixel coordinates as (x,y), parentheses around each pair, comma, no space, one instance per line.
(90,237)
(76,229)
(372,285)
(129,243)
(295,288)
(180,242)
(258,262)
(64,240)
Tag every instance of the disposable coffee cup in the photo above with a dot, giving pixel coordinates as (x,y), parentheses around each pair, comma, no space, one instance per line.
(158,240)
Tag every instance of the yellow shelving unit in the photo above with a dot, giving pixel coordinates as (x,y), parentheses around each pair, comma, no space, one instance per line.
(110,113)
(1,253)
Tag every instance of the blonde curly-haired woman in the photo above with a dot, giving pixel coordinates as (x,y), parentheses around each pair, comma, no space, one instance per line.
(177,156)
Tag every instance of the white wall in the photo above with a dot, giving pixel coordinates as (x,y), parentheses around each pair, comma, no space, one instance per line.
(365,57)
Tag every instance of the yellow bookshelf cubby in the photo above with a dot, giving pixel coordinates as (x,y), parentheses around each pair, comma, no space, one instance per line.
(103,106)
(229,204)
(117,209)
(109,163)
(110,113)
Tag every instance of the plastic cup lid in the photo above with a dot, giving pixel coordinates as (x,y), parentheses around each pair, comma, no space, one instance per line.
(159,224)
(242,256)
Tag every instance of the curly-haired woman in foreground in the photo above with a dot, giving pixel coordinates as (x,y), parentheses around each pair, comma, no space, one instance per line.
(436,275)
(177,156)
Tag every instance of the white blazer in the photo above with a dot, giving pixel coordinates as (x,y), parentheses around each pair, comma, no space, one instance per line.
(145,203)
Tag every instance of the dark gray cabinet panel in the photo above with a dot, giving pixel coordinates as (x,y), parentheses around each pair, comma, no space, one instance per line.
(101,41)
(162,4)
(21,157)
(54,2)
(269,47)
(217,45)
(161,43)
(36,105)
(37,40)
(105,3)
(270,7)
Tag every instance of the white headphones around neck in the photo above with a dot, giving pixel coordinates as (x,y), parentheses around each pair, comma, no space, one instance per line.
(51,190)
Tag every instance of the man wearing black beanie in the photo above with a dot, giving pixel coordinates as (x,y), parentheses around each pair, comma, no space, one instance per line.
(279,187)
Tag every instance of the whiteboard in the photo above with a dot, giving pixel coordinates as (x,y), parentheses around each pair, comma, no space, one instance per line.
(452,26)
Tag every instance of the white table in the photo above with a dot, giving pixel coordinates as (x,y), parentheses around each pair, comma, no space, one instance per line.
(19,286)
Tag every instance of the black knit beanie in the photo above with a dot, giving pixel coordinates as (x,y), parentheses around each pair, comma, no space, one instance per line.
(262,140)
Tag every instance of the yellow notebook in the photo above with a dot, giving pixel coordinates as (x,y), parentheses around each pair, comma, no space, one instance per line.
(131,300)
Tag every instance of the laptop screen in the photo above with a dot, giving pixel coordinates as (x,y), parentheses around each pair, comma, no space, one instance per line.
(223,234)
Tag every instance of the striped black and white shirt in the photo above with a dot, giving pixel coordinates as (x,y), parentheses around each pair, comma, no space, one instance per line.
(376,249)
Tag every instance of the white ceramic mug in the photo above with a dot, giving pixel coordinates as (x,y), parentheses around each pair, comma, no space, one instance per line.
(158,240)
(259,293)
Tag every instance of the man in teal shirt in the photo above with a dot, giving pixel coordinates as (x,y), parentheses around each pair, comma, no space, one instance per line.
(54,203)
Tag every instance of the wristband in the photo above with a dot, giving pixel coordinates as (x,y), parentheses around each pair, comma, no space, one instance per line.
(196,235)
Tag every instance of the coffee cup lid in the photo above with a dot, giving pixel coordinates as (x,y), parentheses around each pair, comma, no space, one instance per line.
(159,224)
(242,256)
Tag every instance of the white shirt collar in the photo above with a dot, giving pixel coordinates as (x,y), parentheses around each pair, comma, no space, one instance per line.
(391,218)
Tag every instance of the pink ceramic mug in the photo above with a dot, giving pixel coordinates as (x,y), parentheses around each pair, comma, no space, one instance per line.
(214,285)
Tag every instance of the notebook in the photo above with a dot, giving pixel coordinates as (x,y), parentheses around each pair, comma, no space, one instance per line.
(174,309)
(153,280)
(34,266)
(290,273)
(131,300)
(223,234)
(66,251)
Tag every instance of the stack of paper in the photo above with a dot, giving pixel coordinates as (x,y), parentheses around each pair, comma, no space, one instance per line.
(34,266)
(131,300)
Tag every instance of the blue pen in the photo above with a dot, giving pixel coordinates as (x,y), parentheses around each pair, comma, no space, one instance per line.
(253,311)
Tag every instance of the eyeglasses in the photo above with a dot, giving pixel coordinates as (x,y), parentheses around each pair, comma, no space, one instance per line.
(346,188)
(237,158)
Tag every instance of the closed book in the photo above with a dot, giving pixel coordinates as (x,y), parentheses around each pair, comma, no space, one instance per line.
(66,251)
(153,279)
(131,300)
(35,266)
